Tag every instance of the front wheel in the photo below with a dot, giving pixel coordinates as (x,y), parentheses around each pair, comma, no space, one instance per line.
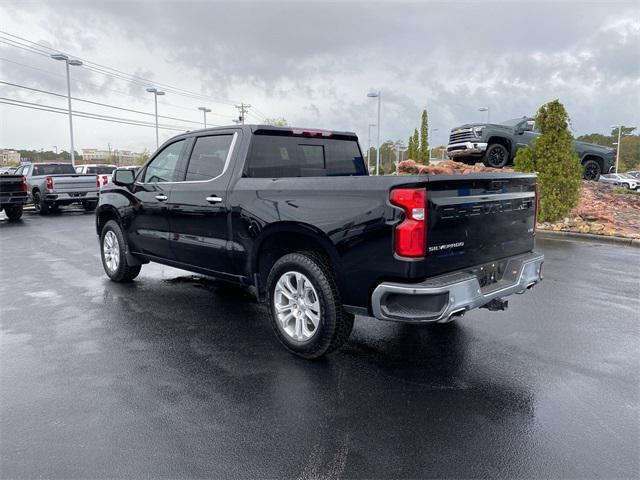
(496,156)
(305,307)
(113,253)
(591,170)
(14,213)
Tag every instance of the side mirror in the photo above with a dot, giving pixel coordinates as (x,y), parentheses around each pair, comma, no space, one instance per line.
(123,177)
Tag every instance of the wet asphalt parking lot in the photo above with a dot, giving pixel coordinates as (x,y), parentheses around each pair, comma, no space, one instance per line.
(175,375)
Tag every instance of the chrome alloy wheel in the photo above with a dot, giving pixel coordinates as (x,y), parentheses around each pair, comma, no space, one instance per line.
(111,251)
(297,306)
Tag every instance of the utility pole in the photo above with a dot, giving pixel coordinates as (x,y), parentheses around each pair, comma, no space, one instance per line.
(74,63)
(243,108)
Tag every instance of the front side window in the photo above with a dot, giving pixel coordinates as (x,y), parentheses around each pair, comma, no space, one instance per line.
(163,167)
(208,157)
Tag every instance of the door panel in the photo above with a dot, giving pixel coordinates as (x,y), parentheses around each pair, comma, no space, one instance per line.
(149,226)
(198,212)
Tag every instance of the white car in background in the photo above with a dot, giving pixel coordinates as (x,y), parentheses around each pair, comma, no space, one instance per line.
(621,179)
(103,171)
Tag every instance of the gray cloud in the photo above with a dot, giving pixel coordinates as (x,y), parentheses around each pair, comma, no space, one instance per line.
(313,62)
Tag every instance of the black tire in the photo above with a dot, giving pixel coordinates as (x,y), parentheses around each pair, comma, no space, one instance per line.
(335,324)
(90,205)
(13,213)
(42,207)
(123,272)
(496,156)
(591,170)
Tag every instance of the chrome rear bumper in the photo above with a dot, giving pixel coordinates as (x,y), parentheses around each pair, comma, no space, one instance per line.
(439,298)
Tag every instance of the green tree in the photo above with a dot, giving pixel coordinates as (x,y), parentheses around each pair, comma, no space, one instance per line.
(411,148)
(142,158)
(629,153)
(553,157)
(423,154)
(416,146)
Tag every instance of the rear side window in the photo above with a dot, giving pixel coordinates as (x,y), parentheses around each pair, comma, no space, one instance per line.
(208,157)
(284,156)
(53,169)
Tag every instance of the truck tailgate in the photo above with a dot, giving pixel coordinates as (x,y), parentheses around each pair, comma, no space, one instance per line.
(74,183)
(475,219)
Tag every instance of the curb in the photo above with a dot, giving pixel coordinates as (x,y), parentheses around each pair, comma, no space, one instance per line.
(588,237)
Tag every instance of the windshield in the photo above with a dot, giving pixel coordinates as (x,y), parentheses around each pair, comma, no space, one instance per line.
(53,169)
(101,169)
(513,122)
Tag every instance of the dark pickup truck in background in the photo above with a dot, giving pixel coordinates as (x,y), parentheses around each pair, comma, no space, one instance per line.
(13,195)
(496,146)
(294,214)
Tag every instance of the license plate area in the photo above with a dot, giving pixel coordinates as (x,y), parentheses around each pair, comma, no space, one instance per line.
(489,273)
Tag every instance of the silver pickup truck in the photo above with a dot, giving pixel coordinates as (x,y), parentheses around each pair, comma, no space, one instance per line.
(50,185)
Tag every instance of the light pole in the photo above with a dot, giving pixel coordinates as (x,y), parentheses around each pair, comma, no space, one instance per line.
(369,147)
(156,92)
(430,139)
(400,148)
(485,109)
(620,135)
(74,63)
(204,112)
(377,95)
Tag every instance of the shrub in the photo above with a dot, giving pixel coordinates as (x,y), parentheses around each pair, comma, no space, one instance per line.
(552,156)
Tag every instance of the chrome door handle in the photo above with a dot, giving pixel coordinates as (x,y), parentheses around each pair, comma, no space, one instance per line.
(162,198)
(213,199)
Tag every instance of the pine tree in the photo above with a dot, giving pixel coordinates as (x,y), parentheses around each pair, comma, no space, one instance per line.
(424,139)
(410,149)
(553,157)
(416,146)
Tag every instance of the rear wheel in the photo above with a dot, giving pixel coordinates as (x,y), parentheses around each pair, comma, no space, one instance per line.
(305,307)
(591,170)
(496,156)
(42,207)
(14,213)
(113,254)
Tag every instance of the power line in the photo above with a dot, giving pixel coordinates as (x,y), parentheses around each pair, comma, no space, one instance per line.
(94,116)
(105,70)
(97,103)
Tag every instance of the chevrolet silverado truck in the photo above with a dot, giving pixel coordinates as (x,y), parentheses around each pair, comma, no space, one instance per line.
(13,195)
(51,185)
(294,214)
(496,146)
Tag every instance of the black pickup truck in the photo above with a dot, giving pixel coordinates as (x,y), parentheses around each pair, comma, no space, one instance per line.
(294,214)
(13,195)
(496,145)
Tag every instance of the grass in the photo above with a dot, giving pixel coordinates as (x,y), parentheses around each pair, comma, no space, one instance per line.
(626,191)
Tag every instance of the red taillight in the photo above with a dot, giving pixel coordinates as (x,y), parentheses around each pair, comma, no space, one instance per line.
(24,184)
(49,183)
(536,207)
(105,180)
(98,181)
(411,233)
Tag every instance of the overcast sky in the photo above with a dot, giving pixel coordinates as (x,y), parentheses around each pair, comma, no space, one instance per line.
(314,62)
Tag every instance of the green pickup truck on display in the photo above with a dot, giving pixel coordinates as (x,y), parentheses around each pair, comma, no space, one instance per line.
(496,144)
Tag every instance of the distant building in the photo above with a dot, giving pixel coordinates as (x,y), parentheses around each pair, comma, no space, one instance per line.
(119,157)
(9,157)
